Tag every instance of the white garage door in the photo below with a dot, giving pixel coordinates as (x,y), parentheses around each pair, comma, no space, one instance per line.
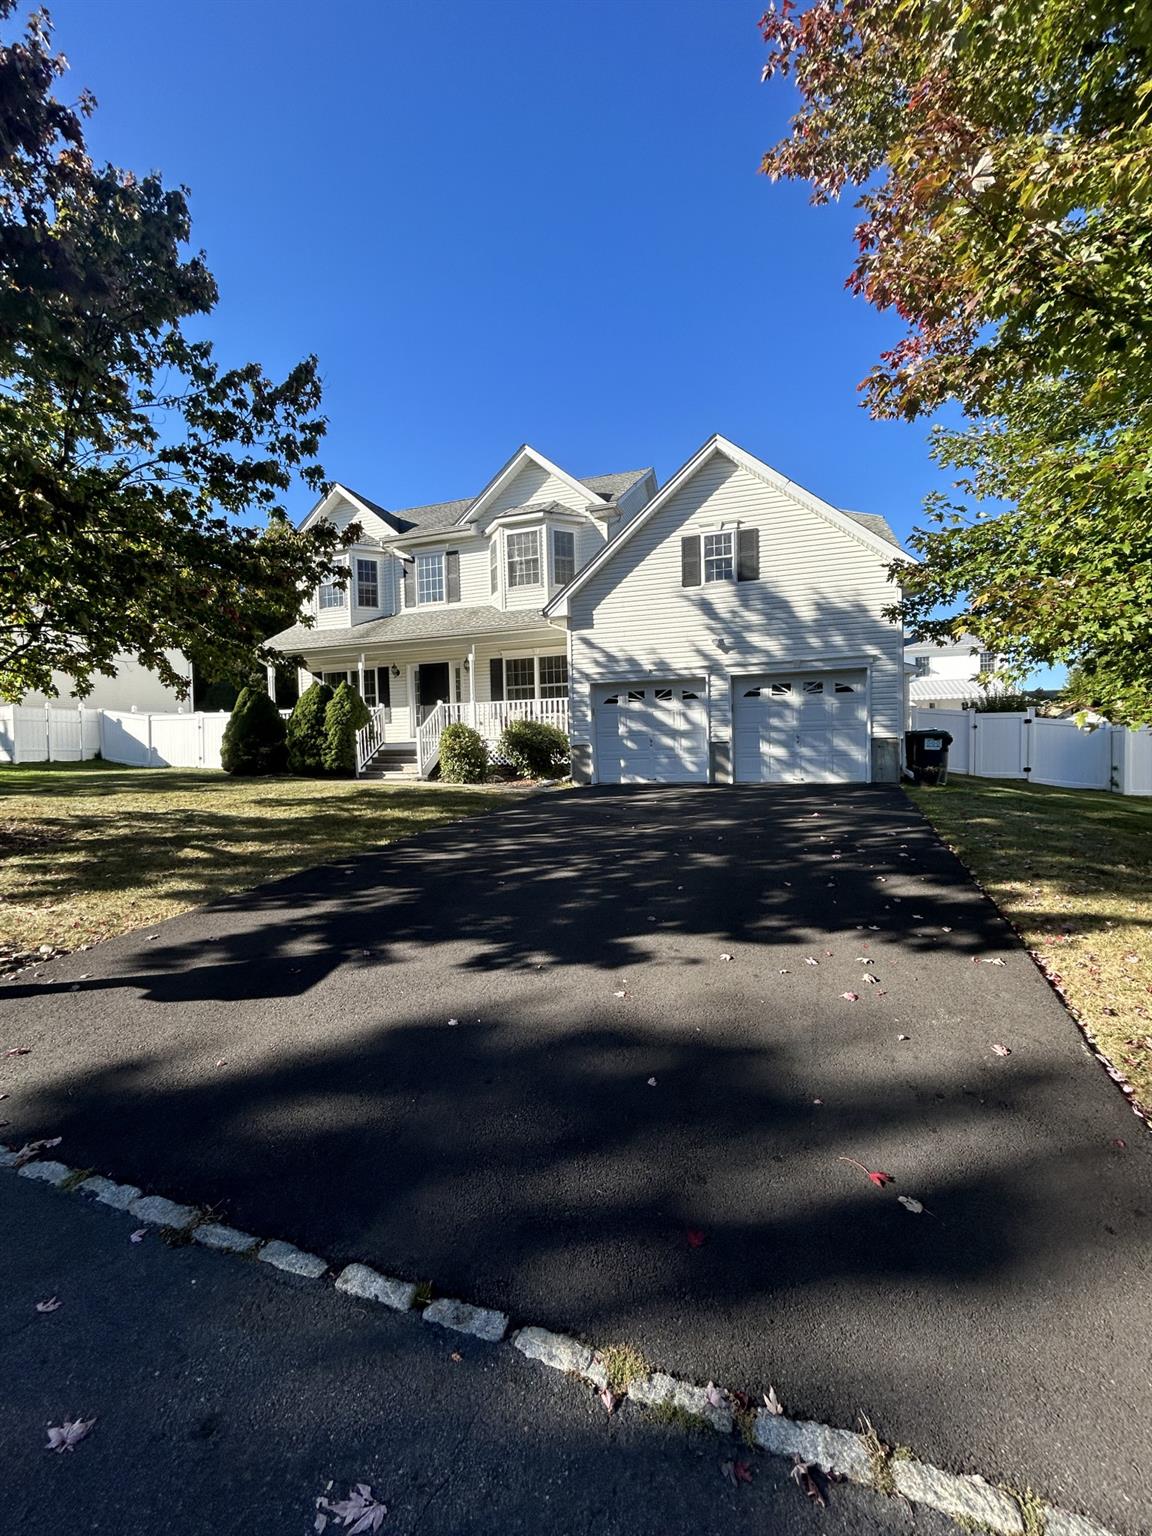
(801,728)
(651,733)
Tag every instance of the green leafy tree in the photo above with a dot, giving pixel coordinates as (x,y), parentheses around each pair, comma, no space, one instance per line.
(345,715)
(254,738)
(141,483)
(1003,154)
(306,734)
(463,755)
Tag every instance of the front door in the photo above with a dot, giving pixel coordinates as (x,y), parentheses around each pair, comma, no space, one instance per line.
(432,688)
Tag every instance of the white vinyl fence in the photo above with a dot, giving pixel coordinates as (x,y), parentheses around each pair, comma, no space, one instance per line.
(40,735)
(1028,746)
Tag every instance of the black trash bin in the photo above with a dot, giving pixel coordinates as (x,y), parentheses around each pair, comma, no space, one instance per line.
(926,753)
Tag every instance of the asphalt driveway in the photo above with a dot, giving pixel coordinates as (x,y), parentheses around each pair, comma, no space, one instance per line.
(421,1058)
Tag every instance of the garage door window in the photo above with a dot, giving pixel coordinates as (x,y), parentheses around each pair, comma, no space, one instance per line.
(780,688)
(813,687)
(845,688)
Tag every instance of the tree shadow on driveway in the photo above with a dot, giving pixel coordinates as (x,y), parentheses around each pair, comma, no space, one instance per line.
(513,1059)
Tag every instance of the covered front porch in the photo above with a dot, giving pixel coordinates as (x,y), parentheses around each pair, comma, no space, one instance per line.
(415,690)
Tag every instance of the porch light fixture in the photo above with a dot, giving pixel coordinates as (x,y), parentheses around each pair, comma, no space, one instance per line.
(395,670)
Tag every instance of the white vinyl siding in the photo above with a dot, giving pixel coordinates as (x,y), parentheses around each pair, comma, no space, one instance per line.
(819,601)
(532,487)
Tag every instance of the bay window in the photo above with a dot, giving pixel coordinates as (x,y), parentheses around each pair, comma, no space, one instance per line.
(523,558)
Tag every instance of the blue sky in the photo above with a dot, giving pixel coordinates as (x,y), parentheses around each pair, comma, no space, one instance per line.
(507,222)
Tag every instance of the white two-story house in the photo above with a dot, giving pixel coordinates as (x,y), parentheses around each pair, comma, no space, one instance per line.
(728,627)
(948,676)
(444,603)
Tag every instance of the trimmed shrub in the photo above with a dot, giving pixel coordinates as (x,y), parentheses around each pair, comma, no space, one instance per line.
(345,714)
(254,738)
(463,755)
(306,730)
(534,750)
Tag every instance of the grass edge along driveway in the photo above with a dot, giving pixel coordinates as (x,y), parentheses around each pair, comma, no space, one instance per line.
(1072,871)
(91,850)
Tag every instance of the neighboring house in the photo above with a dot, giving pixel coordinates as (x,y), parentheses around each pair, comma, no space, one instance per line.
(728,626)
(945,676)
(131,687)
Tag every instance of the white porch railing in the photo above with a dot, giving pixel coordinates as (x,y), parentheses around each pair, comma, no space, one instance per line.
(488,719)
(370,738)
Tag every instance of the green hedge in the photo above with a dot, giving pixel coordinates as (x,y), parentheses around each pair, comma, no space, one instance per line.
(463,755)
(535,750)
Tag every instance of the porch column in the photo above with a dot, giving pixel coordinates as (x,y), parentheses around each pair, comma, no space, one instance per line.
(472,687)
(360,672)
(271,675)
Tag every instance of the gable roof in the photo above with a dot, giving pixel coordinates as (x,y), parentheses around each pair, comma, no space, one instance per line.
(859,525)
(336,491)
(527,455)
(877,524)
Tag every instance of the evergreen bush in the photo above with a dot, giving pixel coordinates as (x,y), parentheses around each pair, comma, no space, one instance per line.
(306,730)
(463,755)
(254,738)
(534,750)
(345,715)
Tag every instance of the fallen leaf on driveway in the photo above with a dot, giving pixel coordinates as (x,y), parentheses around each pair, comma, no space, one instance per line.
(139,1235)
(64,1436)
(864,960)
(222,1061)
(53,1304)
(725,957)
(456,1357)
(817,1101)
(911,1205)
(19,1050)
(736,1472)
(695,1237)
(873,981)
(32,1149)
(802,1477)
(452,1023)
(903,1037)
(714,1395)
(651,1082)
(877,1175)
(609,1399)
(851,997)
(361,1511)
(991,960)
(1118,1141)
(772,1402)
(621,993)
(1002,1050)
(808,960)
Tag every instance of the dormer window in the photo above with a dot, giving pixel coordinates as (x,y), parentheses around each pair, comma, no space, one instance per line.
(430,578)
(523,558)
(331,595)
(923,666)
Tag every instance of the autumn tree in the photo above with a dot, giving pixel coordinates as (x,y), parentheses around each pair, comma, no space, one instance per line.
(141,482)
(1001,153)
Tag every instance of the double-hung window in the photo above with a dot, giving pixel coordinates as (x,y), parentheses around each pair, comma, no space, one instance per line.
(430,578)
(523,558)
(987,661)
(494,564)
(923,666)
(563,556)
(520,677)
(331,595)
(367,584)
(553,677)
(719,556)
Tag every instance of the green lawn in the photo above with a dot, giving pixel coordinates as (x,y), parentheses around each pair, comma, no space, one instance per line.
(88,850)
(1072,869)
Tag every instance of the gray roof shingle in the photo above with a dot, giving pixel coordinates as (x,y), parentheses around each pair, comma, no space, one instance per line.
(874,524)
(417,624)
(445,514)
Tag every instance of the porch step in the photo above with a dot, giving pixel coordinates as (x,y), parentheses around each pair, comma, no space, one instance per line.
(392,763)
